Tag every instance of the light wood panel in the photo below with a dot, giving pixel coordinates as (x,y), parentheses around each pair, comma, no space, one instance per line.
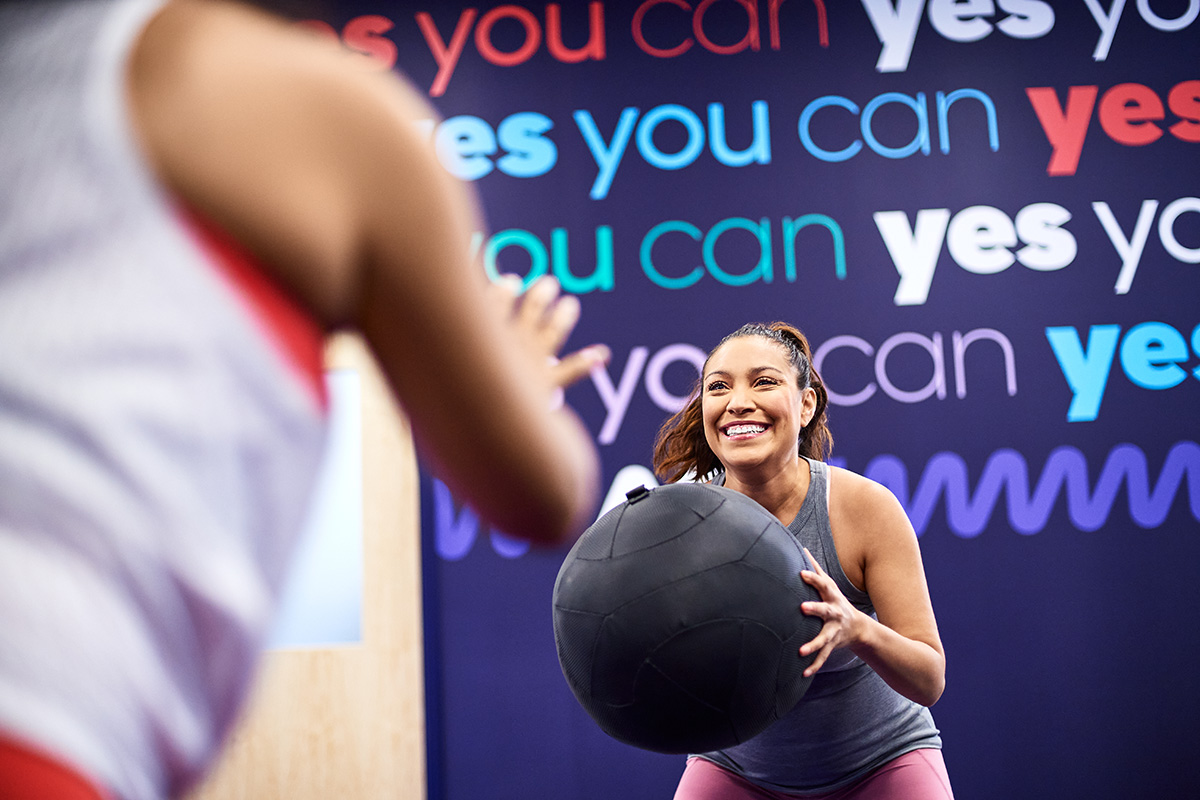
(348,722)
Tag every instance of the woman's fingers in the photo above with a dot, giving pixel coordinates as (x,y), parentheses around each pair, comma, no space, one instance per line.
(832,610)
(814,644)
(817,662)
(535,300)
(546,316)
(824,585)
(545,321)
(575,366)
(821,644)
(504,294)
(564,313)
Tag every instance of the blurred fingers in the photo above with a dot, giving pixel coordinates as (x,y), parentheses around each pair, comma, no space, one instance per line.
(535,303)
(504,292)
(575,366)
(564,313)
(541,312)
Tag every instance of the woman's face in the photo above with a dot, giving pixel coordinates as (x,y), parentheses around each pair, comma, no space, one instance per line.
(753,408)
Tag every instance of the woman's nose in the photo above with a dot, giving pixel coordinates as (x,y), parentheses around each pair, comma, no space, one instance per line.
(740,400)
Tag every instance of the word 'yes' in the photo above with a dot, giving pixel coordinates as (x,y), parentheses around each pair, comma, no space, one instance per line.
(1151,355)
(1127,113)
(896,24)
(978,239)
(465,145)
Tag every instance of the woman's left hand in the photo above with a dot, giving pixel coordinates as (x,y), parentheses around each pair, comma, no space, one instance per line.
(841,621)
(544,318)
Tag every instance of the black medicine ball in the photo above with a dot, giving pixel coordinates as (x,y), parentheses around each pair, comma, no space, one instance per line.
(677,619)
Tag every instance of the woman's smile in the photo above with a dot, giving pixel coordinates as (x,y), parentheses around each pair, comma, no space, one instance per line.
(741,431)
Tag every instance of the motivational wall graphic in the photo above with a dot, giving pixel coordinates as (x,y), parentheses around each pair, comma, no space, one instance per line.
(986,217)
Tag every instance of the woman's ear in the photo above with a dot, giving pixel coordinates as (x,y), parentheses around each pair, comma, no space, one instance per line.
(808,406)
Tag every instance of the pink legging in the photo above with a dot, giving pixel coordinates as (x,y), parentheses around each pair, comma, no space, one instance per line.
(918,775)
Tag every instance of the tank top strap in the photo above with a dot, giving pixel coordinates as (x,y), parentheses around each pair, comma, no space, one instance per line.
(812,529)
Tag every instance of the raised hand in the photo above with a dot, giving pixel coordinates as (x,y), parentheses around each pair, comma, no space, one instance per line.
(544,320)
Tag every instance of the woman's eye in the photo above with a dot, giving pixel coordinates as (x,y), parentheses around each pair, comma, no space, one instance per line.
(765,382)
(715,386)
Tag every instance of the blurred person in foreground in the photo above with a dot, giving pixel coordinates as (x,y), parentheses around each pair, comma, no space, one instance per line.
(192,194)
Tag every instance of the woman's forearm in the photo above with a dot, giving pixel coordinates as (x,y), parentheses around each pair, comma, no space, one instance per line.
(913,668)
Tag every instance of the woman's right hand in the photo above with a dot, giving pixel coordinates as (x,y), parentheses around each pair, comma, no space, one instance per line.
(838,617)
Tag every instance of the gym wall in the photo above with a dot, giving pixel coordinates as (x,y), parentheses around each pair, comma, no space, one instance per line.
(985,215)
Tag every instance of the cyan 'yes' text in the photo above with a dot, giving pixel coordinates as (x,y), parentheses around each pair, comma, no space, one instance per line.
(1152,356)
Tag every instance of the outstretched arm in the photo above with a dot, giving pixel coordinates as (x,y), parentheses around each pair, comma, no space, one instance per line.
(316,166)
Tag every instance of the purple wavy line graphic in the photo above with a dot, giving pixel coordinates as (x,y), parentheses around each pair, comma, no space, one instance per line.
(455,532)
(1065,471)
(1006,472)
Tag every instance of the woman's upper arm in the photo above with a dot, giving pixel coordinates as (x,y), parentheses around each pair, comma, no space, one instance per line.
(317,167)
(893,572)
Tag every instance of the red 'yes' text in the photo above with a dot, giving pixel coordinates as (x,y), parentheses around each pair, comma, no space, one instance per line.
(1128,113)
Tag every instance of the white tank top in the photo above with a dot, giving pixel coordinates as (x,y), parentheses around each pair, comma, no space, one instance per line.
(157,440)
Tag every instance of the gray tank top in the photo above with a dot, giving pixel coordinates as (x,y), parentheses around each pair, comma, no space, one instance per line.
(849,722)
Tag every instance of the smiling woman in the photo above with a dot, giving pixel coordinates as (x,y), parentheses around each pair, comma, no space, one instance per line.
(756,424)
(749,405)
(683,445)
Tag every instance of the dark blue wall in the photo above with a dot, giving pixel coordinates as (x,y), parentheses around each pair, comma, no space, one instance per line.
(985,214)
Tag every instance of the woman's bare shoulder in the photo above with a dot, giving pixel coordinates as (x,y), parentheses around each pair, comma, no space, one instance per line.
(861,500)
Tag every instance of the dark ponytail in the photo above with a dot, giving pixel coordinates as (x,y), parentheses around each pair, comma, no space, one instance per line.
(816,440)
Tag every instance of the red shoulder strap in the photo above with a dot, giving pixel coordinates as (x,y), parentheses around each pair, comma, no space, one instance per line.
(295,334)
(27,774)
